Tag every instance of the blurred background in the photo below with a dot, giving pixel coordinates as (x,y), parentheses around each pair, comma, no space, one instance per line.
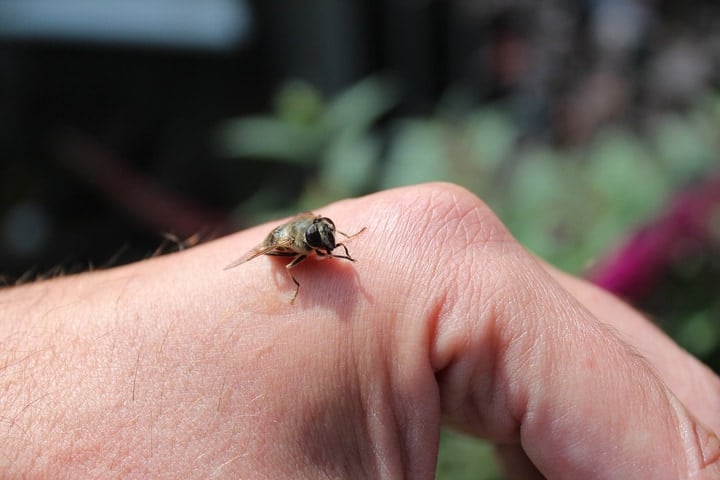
(130,128)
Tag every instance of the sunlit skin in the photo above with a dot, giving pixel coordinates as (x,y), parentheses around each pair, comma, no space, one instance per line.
(175,368)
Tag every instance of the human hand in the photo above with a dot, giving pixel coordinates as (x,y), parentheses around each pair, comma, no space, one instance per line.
(174,368)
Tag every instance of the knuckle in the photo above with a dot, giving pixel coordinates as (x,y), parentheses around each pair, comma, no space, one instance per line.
(451,217)
(455,238)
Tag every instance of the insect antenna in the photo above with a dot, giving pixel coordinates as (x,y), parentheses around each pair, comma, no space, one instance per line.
(350,237)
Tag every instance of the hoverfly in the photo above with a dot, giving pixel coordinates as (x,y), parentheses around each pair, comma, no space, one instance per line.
(301,236)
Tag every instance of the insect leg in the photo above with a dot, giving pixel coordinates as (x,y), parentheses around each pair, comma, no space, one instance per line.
(290,265)
(349,237)
(328,253)
(347,254)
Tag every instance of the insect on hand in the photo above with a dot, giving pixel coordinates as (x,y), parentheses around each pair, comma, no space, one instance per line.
(304,234)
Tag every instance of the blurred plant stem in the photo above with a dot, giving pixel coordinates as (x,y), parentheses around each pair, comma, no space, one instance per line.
(159,209)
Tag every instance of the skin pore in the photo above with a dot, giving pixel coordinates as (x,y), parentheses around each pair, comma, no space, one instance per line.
(175,368)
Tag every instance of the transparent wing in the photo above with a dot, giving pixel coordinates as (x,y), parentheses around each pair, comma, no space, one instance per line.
(280,246)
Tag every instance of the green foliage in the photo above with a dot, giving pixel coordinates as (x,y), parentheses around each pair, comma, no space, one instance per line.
(699,334)
(465,458)
(417,154)
(334,140)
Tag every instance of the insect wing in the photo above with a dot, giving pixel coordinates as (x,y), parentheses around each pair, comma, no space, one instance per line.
(261,249)
(302,216)
(255,252)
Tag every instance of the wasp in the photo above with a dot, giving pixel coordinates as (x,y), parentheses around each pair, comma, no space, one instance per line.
(301,236)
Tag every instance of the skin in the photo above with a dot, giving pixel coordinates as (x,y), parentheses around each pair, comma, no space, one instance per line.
(174,368)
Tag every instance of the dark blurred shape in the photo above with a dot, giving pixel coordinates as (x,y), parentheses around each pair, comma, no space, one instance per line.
(680,71)
(147,201)
(596,101)
(25,229)
(618,27)
(326,43)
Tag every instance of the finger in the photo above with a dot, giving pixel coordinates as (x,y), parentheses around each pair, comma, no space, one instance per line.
(696,385)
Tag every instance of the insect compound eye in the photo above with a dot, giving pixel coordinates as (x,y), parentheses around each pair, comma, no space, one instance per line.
(312,236)
(321,234)
(327,235)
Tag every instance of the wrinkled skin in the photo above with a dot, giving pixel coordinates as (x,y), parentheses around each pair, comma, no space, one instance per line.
(175,368)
